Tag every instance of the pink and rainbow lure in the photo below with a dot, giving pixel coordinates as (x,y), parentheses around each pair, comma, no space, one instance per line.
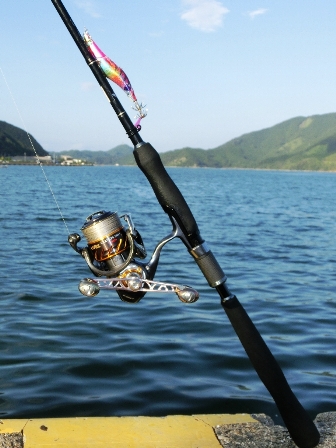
(114,73)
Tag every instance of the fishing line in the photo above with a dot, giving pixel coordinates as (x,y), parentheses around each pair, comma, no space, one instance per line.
(36,155)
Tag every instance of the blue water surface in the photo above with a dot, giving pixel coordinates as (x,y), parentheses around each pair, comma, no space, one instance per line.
(63,354)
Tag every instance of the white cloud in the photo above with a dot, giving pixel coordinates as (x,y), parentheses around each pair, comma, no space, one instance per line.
(204,15)
(88,7)
(257,12)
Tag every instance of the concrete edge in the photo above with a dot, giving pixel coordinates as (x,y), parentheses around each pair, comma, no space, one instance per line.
(172,431)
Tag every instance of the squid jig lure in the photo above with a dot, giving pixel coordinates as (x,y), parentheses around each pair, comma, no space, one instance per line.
(115,74)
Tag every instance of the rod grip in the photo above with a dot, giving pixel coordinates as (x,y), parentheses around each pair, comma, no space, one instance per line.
(210,268)
(300,426)
(167,193)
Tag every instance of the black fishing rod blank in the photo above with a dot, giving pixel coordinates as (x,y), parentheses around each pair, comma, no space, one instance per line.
(300,426)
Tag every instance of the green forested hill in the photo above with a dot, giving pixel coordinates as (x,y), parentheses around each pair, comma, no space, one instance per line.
(110,157)
(15,142)
(303,143)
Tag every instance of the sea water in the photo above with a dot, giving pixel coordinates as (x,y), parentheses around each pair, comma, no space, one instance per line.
(64,354)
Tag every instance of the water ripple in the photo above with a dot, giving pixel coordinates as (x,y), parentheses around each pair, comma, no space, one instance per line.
(67,355)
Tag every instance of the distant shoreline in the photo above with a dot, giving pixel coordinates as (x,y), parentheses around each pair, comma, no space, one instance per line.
(43,164)
(171,166)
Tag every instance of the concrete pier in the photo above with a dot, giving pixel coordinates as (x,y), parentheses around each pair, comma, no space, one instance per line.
(175,431)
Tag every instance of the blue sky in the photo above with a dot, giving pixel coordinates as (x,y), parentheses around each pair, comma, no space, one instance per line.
(208,70)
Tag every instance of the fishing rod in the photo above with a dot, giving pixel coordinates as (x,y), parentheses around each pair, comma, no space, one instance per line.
(115,252)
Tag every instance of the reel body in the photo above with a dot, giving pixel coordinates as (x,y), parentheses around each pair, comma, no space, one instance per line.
(114,252)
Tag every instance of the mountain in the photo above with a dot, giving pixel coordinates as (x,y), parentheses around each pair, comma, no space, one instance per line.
(110,157)
(15,142)
(301,143)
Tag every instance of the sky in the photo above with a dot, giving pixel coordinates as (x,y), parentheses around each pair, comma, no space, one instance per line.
(208,71)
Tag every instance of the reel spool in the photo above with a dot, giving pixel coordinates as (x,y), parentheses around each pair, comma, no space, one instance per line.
(107,239)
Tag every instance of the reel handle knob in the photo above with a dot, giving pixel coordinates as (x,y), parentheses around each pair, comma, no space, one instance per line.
(187,295)
(88,287)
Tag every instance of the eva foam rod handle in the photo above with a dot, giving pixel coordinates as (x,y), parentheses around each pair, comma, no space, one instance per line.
(167,193)
(300,426)
(174,204)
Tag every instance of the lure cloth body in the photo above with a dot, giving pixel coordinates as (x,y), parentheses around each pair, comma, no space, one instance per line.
(114,73)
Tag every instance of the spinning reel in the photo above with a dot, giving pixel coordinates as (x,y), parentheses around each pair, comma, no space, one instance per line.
(114,252)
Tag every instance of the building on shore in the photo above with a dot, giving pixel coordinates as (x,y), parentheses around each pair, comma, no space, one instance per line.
(68,160)
(31,159)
